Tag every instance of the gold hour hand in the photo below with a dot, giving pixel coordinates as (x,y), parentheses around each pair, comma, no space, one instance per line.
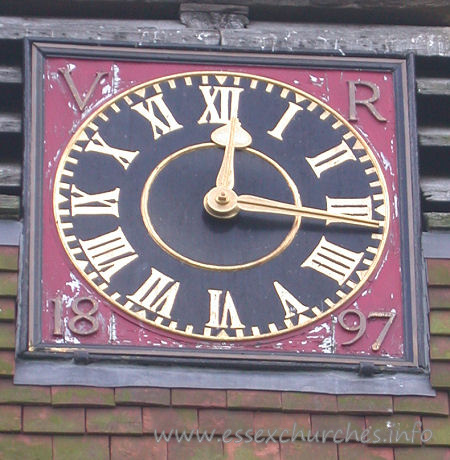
(231,136)
(252,203)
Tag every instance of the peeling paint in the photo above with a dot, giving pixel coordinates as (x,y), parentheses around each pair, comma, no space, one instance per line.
(74,284)
(116,78)
(68,337)
(387,164)
(107,90)
(317,81)
(112,331)
(318,328)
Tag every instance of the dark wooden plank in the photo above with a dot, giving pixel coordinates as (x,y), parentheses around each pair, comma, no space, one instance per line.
(10,175)
(10,74)
(435,188)
(433,86)
(429,41)
(437,220)
(359,4)
(97,30)
(434,137)
(414,12)
(9,206)
(10,123)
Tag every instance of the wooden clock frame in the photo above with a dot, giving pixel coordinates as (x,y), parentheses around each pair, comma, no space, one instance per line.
(33,351)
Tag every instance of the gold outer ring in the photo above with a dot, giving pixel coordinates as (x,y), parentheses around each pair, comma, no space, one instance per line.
(351,295)
(195,263)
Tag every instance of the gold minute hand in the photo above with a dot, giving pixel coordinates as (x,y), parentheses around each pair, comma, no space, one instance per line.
(252,203)
(231,136)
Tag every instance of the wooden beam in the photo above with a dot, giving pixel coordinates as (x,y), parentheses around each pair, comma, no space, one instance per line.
(435,188)
(423,41)
(10,74)
(437,220)
(136,32)
(429,41)
(433,86)
(357,4)
(10,175)
(434,137)
(10,123)
(9,206)
(400,6)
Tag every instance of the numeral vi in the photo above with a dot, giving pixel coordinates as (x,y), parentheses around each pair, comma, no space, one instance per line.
(225,315)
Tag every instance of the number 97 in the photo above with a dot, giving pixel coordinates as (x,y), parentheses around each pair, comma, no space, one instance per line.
(360,327)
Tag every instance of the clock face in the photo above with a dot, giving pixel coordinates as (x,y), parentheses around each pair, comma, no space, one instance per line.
(220,205)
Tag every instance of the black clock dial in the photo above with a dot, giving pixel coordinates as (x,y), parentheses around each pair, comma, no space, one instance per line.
(221,205)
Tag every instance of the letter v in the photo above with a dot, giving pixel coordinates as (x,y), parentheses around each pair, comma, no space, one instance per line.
(73,89)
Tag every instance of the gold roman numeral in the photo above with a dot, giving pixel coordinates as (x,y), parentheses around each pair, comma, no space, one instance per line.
(292,306)
(331,158)
(288,115)
(222,316)
(227,106)
(83,203)
(109,253)
(358,207)
(159,126)
(157,294)
(98,145)
(333,261)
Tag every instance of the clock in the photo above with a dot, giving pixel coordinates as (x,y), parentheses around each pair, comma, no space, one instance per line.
(207,208)
(222,206)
